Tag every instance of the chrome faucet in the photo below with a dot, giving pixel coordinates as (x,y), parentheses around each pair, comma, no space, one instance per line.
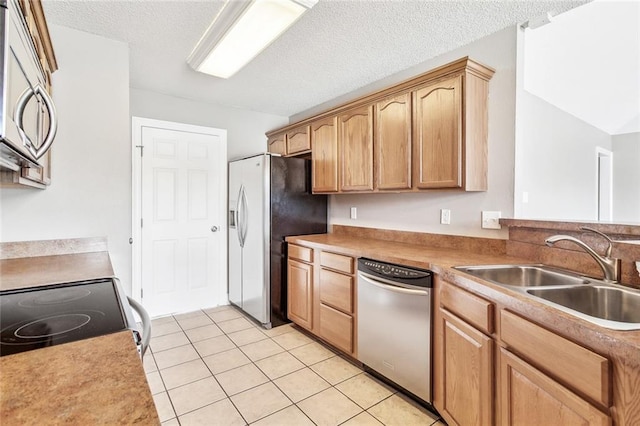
(610,266)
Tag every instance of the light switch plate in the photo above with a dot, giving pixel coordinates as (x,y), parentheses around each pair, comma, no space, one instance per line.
(490,220)
(354,212)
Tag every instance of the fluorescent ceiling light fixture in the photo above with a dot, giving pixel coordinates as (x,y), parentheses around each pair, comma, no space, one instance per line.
(242,30)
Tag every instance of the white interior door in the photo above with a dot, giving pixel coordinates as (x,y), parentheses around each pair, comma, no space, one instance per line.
(182,204)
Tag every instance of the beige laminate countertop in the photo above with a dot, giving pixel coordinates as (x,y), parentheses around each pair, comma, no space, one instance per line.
(93,381)
(402,253)
(41,270)
(87,382)
(440,260)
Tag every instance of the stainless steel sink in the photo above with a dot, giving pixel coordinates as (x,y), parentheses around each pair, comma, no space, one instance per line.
(524,275)
(604,302)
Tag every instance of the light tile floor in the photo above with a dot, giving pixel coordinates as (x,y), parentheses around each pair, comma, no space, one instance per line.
(216,367)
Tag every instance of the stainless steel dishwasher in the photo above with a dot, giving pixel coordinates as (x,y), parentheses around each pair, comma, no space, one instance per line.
(394,324)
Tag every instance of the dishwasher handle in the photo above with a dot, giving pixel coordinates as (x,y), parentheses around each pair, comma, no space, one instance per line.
(387,285)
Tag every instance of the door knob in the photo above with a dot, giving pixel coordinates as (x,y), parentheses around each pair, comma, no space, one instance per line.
(214,228)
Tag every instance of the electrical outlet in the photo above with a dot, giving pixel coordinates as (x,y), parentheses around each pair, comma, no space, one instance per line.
(354,212)
(491,220)
(445,216)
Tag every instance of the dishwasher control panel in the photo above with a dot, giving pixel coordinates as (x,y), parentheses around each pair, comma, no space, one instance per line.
(413,276)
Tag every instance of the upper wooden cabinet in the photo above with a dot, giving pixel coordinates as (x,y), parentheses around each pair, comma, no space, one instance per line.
(426,133)
(392,142)
(324,156)
(356,149)
(277,144)
(438,134)
(298,140)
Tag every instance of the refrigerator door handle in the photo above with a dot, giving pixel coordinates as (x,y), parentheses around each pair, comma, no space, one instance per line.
(239,215)
(245,216)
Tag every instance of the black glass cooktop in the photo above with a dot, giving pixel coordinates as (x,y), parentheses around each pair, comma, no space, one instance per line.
(37,317)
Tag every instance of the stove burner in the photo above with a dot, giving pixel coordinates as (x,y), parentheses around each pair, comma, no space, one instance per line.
(55,297)
(52,326)
(37,317)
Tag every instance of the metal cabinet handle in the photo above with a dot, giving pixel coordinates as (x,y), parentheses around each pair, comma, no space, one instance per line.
(21,105)
(214,228)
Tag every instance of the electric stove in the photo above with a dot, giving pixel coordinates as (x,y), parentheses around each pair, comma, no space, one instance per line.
(37,317)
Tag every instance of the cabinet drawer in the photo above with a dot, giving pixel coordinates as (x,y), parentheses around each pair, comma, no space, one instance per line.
(336,290)
(336,328)
(472,308)
(578,367)
(304,254)
(337,261)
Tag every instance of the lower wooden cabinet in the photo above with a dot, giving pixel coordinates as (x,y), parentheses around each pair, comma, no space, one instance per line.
(467,373)
(300,293)
(322,295)
(519,373)
(529,397)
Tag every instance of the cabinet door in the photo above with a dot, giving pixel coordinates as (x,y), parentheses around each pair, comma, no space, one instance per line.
(467,359)
(277,144)
(437,135)
(356,149)
(529,397)
(298,140)
(300,293)
(393,143)
(324,155)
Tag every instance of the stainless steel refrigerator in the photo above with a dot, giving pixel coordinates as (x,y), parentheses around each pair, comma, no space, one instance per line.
(269,198)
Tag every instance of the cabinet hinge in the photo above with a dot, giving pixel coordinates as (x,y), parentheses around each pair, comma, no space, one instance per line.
(141,149)
(141,293)
(141,222)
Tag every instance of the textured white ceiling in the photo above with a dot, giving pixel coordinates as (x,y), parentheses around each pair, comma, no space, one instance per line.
(336,48)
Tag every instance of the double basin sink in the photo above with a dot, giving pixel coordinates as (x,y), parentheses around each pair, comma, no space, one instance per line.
(608,305)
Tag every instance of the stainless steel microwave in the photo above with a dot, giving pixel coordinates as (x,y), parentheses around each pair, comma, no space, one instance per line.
(28,120)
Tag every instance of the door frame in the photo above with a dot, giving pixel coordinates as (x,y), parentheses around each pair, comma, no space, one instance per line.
(137,124)
(604,176)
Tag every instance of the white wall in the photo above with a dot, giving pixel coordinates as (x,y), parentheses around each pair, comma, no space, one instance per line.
(558,170)
(245,129)
(626,178)
(90,194)
(421,212)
